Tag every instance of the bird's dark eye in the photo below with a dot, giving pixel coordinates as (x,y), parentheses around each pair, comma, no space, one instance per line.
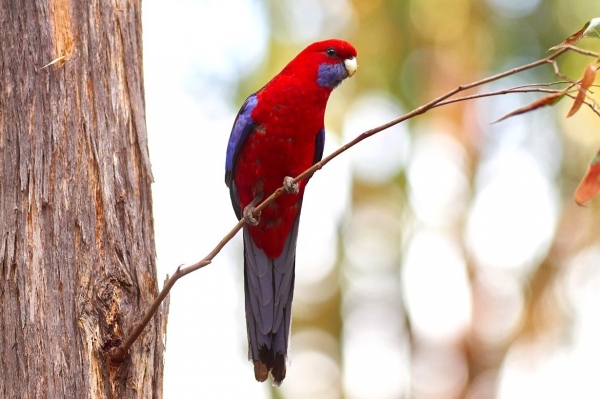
(331,52)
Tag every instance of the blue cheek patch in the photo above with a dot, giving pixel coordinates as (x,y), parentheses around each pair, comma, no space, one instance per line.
(331,75)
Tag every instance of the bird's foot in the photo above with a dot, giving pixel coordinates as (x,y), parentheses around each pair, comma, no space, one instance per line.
(290,186)
(250,217)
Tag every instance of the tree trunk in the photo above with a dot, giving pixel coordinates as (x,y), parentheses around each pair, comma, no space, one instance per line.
(77,256)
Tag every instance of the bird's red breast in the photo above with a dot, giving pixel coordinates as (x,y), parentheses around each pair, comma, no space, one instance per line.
(282,144)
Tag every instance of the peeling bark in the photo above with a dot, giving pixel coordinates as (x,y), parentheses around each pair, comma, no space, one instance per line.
(77,256)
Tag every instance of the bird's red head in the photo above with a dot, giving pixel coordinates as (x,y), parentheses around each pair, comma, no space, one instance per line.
(332,60)
(331,50)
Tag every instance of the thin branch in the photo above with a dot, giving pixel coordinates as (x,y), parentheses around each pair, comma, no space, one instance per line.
(54,61)
(118,354)
(522,89)
(543,84)
(558,73)
(592,104)
(582,51)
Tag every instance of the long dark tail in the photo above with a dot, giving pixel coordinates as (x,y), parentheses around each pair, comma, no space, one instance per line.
(269,290)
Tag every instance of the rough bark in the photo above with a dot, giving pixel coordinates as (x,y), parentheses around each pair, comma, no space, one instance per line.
(77,255)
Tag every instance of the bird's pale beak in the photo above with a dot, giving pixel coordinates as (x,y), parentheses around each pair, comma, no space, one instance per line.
(351,65)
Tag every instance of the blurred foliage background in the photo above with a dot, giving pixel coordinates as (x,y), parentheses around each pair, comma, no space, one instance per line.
(443,258)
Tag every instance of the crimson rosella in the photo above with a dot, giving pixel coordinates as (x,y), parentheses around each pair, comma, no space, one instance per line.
(278,133)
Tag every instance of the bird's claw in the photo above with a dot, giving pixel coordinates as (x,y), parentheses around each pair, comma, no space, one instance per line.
(290,186)
(250,217)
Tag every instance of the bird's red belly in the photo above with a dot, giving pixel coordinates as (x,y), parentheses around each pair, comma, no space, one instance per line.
(263,161)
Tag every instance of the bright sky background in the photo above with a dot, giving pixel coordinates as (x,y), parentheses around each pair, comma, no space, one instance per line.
(206,355)
(195,51)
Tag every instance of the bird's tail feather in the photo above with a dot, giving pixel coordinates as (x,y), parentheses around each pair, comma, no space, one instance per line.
(269,290)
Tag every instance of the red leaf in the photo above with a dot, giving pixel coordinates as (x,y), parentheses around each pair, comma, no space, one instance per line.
(586,81)
(545,101)
(590,185)
(588,28)
(571,40)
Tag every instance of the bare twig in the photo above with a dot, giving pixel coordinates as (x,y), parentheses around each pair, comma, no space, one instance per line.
(582,51)
(593,105)
(522,89)
(54,61)
(118,354)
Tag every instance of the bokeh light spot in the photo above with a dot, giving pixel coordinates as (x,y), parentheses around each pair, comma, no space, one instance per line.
(436,286)
(380,157)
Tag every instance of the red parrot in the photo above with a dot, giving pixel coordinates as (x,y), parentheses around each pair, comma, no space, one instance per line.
(277,134)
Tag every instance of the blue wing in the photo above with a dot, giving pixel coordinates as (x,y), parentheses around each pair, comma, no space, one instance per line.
(319,146)
(242,126)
